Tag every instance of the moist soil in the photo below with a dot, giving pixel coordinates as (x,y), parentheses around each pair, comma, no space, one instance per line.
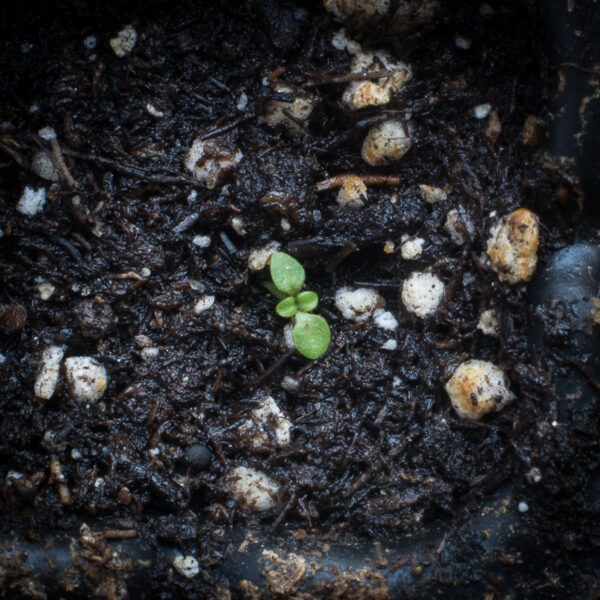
(377,449)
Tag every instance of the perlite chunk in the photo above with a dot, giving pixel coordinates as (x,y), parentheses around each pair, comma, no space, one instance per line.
(86,377)
(385,143)
(252,489)
(513,244)
(48,372)
(422,292)
(478,387)
(266,422)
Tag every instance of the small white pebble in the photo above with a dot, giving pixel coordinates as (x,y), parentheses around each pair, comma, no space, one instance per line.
(412,248)
(143,341)
(340,40)
(202,241)
(32,201)
(389,247)
(385,143)
(253,489)
(154,452)
(155,112)
(422,292)
(455,227)
(75,454)
(204,303)
(285,225)
(432,194)
(534,475)
(396,381)
(43,166)
(462,43)
(513,244)
(384,319)
(242,102)
(45,290)
(352,193)
(149,354)
(260,258)
(357,305)
(192,196)
(48,372)
(482,111)
(237,224)
(289,384)
(145,272)
(389,345)
(478,387)
(90,42)
(209,161)
(196,285)
(99,483)
(300,109)
(124,42)
(488,323)
(361,94)
(317,215)
(523,507)
(47,133)
(186,566)
(87,378)
(266,421)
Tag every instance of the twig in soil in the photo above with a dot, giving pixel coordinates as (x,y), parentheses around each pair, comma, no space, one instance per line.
(291,117)
(69,247)
(350,77)
(276,73)
(229,245)
(59,163)
(349,247)
(133,171)
(188,222)
(59,479)
(128,275)
(9,146)
(270,370)
(118,534)
(219,84)
(284,510)
(581,368)
(339,180)
(225,128)
(367,475)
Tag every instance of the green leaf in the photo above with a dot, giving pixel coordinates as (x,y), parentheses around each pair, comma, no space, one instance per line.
(271,287)
(287,308)
(287,273)
(307,301)
(311,335)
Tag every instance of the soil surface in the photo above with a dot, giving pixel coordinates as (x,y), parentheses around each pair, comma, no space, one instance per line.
(376,446)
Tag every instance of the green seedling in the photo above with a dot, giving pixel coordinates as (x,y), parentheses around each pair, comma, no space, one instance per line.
(311,333)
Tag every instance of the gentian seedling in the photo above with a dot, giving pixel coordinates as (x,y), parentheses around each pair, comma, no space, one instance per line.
(311,334)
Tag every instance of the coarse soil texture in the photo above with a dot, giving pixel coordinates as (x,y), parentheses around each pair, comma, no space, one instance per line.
(128,242)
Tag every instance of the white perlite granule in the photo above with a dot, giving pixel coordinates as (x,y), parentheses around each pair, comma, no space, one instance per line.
(32,201)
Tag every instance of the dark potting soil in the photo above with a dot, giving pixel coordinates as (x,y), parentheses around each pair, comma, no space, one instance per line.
(377,449)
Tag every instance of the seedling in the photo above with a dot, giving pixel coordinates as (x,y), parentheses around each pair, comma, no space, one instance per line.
(311,334)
